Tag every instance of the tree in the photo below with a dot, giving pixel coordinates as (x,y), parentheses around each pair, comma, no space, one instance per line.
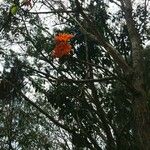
(96,97)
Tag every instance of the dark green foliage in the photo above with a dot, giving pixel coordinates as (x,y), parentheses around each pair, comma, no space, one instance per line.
(95,115)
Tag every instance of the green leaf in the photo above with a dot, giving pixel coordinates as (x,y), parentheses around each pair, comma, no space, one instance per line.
(14,8)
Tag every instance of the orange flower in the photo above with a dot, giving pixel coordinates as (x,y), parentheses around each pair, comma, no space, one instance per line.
(61,49)
(63,37)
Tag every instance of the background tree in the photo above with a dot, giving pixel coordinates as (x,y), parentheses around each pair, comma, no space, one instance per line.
(94,98)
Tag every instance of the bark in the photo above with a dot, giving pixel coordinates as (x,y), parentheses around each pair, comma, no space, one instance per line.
(140,106)
(142,122)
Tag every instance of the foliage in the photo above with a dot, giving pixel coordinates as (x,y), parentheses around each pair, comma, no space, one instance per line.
(81,100)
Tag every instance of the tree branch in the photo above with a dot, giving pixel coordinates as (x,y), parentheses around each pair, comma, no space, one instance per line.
(44,113)
(52,12)
(96,35)
(83,80)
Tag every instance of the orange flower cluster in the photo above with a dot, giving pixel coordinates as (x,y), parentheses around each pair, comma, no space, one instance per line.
(63,37)
(62,47)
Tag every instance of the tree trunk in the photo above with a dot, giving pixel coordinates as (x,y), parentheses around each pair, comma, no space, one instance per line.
(142,122)
(140,102)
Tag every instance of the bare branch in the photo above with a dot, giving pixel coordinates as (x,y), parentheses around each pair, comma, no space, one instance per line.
(52,12)
(115,3)
(83,80)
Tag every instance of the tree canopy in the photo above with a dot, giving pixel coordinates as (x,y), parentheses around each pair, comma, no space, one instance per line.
(74,75)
